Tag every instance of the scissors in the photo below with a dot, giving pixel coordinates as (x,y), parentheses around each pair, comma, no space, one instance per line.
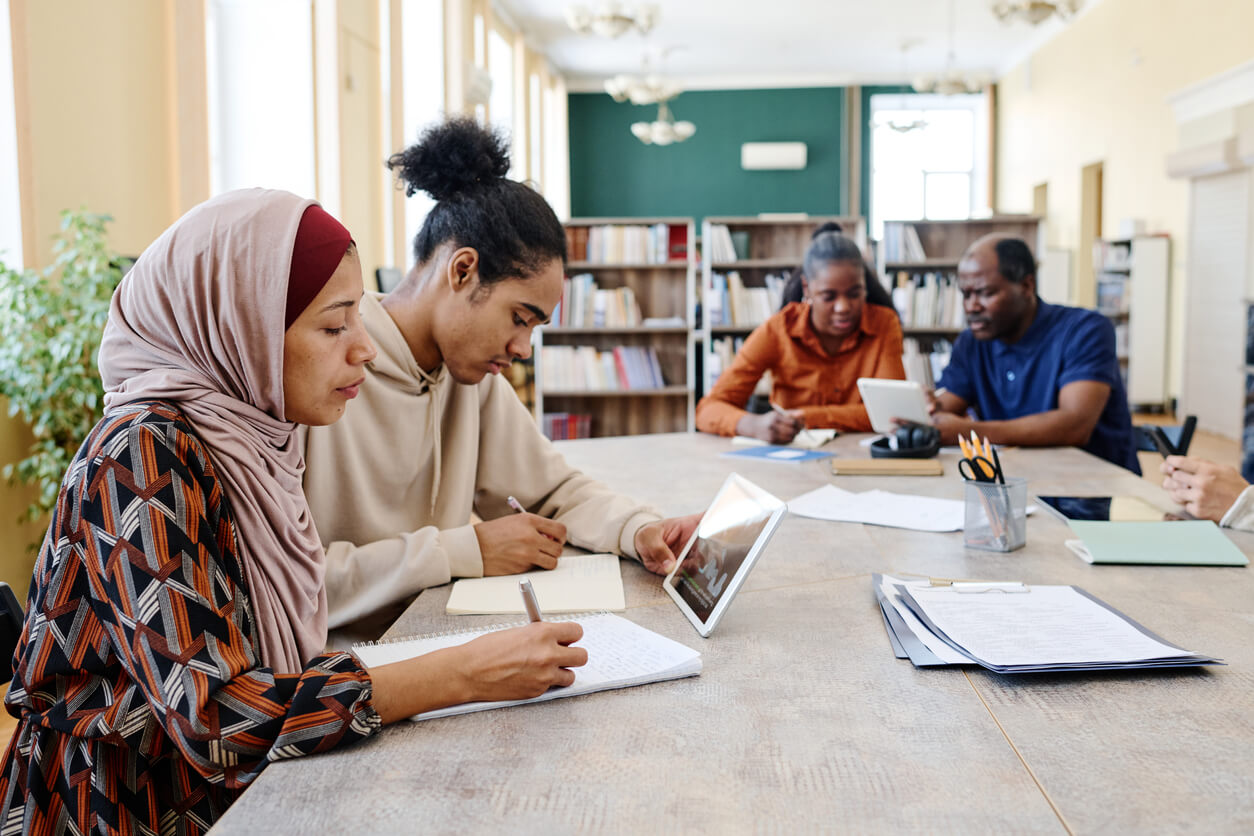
(978,469)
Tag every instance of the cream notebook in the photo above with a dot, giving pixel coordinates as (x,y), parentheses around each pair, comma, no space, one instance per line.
(580,583)
(621,654)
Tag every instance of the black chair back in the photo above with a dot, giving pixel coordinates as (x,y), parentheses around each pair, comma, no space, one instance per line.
(10,630)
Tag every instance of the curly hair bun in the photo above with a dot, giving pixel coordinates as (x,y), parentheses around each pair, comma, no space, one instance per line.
(451,157)
(828,226)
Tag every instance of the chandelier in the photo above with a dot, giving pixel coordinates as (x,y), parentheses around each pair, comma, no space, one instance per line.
(651,89)
(664,129)
(951,82)
(1035,11)
(610,20)
(901,124)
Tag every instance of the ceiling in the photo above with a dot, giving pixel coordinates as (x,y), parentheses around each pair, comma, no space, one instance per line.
(711,44)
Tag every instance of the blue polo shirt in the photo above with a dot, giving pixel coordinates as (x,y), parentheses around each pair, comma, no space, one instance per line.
(1062,345)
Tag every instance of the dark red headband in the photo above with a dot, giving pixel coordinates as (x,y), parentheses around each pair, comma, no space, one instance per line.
(321,242)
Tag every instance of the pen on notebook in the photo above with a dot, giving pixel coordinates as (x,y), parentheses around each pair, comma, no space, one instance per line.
(529,601)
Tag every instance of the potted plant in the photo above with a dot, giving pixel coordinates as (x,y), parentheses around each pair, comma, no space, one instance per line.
(51,324)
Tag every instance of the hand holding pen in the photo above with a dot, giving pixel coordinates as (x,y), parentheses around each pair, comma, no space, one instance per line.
(519,542)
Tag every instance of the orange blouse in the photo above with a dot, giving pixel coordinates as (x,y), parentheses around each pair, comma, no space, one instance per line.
(823,386)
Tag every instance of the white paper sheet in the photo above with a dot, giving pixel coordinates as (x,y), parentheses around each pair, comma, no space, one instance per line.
(580,583)
(926,637)
(1049,625)
(921,513)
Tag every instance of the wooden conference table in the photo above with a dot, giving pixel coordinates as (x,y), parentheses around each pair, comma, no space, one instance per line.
(803,720)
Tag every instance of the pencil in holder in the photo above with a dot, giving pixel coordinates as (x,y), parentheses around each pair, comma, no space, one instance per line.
(996,515)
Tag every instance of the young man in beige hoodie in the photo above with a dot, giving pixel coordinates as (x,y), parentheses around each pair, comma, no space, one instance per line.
(437,433)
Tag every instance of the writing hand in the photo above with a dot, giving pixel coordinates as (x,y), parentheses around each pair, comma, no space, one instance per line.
(524,662)
(519,542)
(772,427)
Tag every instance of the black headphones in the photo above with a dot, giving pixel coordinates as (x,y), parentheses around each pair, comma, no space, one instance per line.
(914,441)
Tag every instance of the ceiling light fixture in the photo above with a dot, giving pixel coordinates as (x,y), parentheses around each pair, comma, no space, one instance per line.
(952,81)
(664,130)
(646,90)
(1035,11)
(901,124)
(611,20)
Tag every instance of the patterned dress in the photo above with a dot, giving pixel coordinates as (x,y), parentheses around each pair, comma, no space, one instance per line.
(143,703)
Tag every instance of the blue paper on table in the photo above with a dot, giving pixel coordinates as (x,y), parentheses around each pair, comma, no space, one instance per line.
(776,453)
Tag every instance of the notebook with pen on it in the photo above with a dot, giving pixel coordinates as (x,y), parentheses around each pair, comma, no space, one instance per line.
(621,654)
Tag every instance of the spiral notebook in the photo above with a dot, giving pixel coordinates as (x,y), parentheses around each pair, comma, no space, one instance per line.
(620,654)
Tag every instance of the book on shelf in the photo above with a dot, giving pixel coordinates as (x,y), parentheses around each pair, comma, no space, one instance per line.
(901,242)
(925,368)
(722,352)
(719,247)
(1112,255)
(584,304)
(561,426)
(627,243)
(1114,293)
(582,368)
(928,299)
(732,303)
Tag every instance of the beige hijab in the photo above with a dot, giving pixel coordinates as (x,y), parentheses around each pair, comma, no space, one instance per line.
(199,321)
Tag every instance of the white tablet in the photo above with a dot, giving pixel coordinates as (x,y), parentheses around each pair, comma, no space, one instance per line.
(889,399)
(728,541)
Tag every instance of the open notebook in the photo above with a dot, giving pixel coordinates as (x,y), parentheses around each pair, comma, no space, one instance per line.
(620,654)
(580,583)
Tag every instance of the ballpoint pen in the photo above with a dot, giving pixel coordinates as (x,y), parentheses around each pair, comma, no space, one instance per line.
(516,505)
(529,601)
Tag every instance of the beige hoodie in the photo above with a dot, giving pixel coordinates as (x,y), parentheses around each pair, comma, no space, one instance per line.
(392,485)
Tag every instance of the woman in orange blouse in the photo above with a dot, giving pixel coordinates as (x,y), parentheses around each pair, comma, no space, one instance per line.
(815,349)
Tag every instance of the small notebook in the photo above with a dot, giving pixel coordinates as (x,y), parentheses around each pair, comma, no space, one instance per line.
(1175,543)
(887,467)
(580,583)
(620,654)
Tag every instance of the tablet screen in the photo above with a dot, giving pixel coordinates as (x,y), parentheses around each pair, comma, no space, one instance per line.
(1107,508)
(729,537)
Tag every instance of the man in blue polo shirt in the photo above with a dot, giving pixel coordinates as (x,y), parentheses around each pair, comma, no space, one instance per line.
(1038,375)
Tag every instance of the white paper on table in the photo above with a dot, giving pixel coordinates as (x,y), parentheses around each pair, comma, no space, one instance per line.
(921,513)
(1049,625)
(806,439)
(937,645)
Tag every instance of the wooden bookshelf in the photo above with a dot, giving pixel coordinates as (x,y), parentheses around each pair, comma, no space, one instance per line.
(662,283)
(918,263)
(766,247)
(1131,277)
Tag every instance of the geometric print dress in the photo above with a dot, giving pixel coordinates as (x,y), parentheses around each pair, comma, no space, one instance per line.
(143,704)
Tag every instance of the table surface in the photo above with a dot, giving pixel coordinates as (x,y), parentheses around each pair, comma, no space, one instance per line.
(802,719)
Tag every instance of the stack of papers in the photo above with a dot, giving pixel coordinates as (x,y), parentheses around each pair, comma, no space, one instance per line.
(921,513)
(1015,628)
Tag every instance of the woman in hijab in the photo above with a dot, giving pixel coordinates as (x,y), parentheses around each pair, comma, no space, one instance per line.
(175,630)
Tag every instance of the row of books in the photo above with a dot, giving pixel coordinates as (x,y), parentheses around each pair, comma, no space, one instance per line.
(627,243)
(731,303)
(722,352)
(901,242)
(1114,294)
(561,426)
(1112,255)
(925,368)
(928,300)
(582,368)
(721,247)
(586,305)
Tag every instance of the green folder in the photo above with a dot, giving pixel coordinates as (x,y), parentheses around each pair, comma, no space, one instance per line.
(1177,542)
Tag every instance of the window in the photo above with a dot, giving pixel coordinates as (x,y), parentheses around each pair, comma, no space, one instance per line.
(422,68)
(937,171)
(501,66)
(261,98)
(10,200)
